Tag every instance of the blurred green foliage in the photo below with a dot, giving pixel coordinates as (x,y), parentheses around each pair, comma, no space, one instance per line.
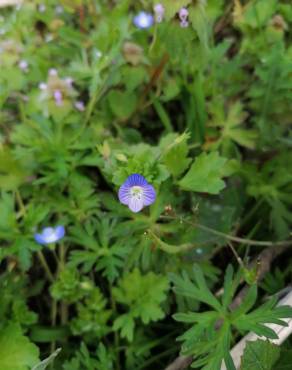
(204,114)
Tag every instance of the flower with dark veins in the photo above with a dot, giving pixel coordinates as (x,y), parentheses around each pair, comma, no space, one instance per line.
(50,235)
(136,193)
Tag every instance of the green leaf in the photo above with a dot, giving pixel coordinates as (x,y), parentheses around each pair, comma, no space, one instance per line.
(248,302)
(126,324)
(176,153)
(267,313)
(229,287)
(259,355)
(143,294)
(44,364)
(12,172)
(121,103)
(16,351)
(205,174)
(257,13)
(200,23)
(43,334)
(285,360)
(200,291)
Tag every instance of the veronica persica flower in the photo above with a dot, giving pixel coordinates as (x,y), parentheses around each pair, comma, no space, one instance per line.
(136,193)
(50,235)
(143,20)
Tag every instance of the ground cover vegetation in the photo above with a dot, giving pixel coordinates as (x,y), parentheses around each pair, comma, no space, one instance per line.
(145,183)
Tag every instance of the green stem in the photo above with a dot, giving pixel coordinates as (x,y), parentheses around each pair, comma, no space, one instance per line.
(64,306)
(231,237)
(20,202)
(53,321)
(239,260)
(45,266)
(157,357)
(39,253)
(250,214)
(116,334)
(168,248)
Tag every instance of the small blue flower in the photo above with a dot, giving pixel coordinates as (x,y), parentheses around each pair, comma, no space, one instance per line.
(50,235)
(143,20)
(136,193)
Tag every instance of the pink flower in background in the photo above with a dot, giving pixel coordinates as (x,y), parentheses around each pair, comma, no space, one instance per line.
(183,16)
(159,12)
(58,97)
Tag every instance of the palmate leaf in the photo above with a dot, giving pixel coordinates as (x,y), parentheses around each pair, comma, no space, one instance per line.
(103,252)
(233,129)
(259,355)
(176,153)
(230,285)
(143,294)
(122,104)
(16,351)
(205,174)
(267,313)
(84,359)
(200,291)
(209,345)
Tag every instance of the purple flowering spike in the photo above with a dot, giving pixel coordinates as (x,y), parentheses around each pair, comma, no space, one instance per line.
(58,97)
(42,8)
(79,105)
(159,12)
(184,24)
(50,235)
(69,81)
(183,14)
(53,72)
(143,20)
(23,65)
(136,193)
(43,86)
(59,9)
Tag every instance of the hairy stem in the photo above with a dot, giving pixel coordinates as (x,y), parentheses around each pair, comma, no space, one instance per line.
(235,239)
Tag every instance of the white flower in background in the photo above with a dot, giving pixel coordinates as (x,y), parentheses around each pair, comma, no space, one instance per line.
(23,65)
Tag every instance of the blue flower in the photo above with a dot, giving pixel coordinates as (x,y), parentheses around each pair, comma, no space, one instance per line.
(143,20)
(50,235)
(136,193)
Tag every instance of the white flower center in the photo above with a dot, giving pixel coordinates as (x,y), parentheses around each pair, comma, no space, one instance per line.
(49,234)
(144,20)
(136,192)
